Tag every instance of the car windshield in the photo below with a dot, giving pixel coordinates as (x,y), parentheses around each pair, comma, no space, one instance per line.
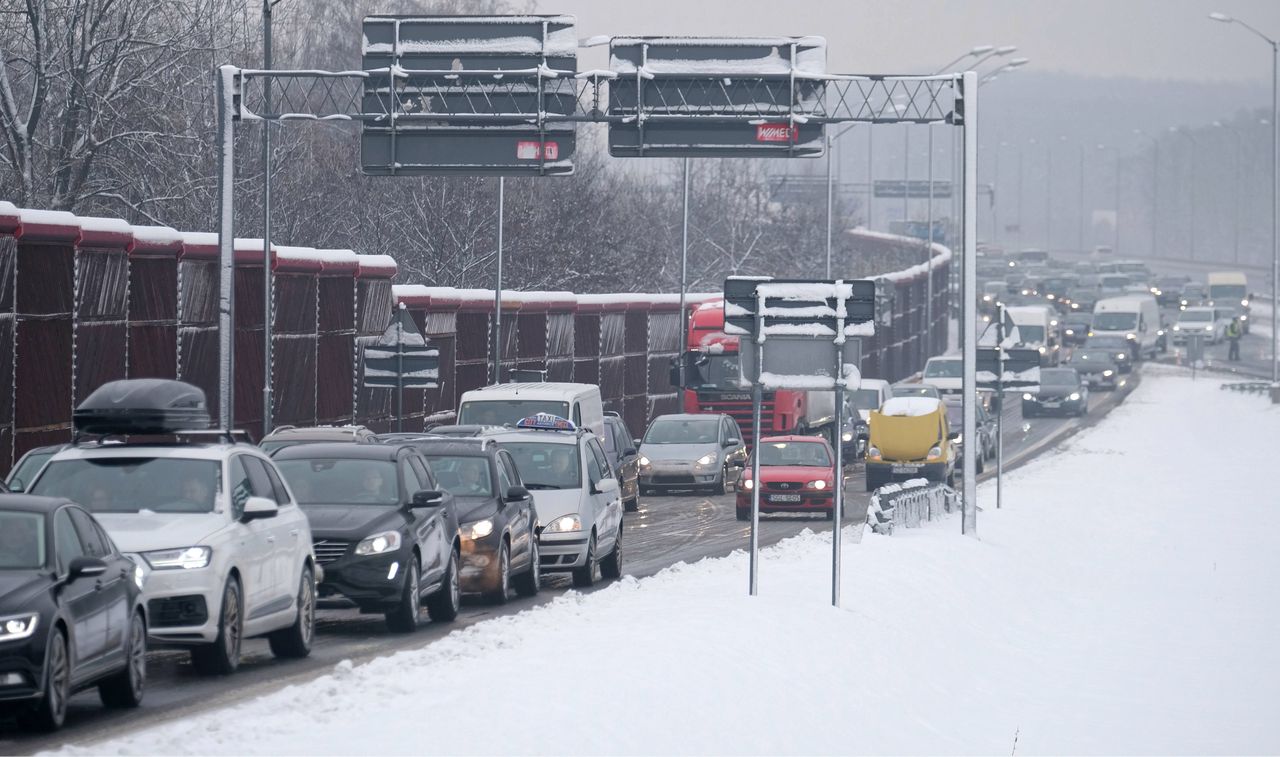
(806,454)
(503,412)
(22,542)
(1232,291)
(546,465)
(1115,321)
(683,431)
(1193,316)
(1058,378)
(342,481)
(28,467)
(717,371)
(1108,342)
(1031,334)
(1192,289)
(134,484)
(1115,281)
(463,475)
(866,399)
(915,391)
(943,369)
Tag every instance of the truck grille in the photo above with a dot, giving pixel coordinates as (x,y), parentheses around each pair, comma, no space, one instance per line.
(328,551)
(740,412)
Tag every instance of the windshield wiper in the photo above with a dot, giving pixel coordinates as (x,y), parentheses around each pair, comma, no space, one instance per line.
(540,487)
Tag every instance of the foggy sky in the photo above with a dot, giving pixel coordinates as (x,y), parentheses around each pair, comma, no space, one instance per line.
(1148,39)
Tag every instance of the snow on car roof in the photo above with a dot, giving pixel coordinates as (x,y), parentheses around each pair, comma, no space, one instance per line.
(910,406)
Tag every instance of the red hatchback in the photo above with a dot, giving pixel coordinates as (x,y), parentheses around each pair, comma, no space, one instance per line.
(798,475)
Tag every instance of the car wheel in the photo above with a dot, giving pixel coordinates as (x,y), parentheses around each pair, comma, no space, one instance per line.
(611,566)
(294,642)
(529,582)
(499,594)
(721,487)
(444,605)
(404,617)
(124,689)
(223,655)
(743,514)
(633,504)
(586,575)
(51,712)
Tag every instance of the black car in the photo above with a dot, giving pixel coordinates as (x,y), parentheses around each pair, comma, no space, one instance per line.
(623,454)
(385,533)
(1097,368)
(986,427)
(24,472)
(71,614)
(1118,346)
(498,517)
(1075,327)
(1061,392)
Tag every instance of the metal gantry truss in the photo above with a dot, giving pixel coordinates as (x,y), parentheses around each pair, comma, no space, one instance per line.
(544,97)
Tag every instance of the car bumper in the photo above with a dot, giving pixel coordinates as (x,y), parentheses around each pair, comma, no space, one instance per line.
(373,582)
(1097,380)
(183,606)
(25,659)
(677,479)
(1066,407)
(562,551)
(480,567)
(895,472)
(809,503)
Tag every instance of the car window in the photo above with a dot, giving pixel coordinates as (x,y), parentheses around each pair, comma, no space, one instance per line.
(240,487)
(341,480)
(594,472)
(66,540)
(22,540)
(426,482)
(601,460)
(577,414)
(610,442)
(131,484)
(277,485)
(504,480)
(90,537)
(258,478)
(410,477)
(513,472)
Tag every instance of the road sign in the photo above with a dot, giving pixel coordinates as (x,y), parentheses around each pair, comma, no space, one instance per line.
(716,96)
(1020,369)
(799,302)
(469,95)
(401,358)
(915,189)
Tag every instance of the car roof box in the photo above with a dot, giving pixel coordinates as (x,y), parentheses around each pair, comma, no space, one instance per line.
(142,406)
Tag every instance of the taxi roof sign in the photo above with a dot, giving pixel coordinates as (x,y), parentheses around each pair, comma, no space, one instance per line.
(546,422)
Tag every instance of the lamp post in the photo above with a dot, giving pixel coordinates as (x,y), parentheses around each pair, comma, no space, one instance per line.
(1275,185)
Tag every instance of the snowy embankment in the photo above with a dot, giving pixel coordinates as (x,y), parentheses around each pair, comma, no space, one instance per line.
(1122,602)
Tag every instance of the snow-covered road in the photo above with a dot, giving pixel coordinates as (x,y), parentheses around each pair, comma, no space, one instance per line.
(1122,602)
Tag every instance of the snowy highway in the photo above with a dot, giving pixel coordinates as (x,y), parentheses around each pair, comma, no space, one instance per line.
(665,531)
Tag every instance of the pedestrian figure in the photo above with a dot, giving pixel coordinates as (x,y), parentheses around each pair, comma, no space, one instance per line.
(1233,338)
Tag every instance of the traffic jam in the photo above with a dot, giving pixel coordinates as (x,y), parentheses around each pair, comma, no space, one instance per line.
(152,530)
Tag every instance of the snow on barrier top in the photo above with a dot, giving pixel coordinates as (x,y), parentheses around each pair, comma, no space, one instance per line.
(941,253)
(561,40)
(296,260)
(811,56)
(155,241)
(47,226)
(199,245)
(8,217)
(105,232)
(376,266)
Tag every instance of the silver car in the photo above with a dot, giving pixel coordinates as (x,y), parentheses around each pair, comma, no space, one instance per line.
(691,451)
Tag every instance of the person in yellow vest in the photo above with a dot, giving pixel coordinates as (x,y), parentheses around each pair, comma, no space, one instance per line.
(1233,338)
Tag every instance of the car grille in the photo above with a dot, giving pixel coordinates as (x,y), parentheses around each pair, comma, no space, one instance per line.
(783,486)
(673,479)
(328,551)
(172,612)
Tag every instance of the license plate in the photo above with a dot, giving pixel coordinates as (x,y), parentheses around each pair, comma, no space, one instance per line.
(1051,404)
(784,497)
(905,468)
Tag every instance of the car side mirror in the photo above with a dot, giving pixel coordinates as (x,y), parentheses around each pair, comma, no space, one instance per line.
(428,498)
(636,442)
(739,463)
(953,435)
(83,567)
(629,451)
(605,486)
(516,494)
(732,442)
(256,508)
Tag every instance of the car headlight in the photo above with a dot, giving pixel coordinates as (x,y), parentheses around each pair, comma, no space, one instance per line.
(846,436)
(565,524)
(1027,396)
(1071,332)
(479,529)
(377,544)
(1244,317)
(1108,372)
(986,298)
(139,575)
(1244,303)
(1121,356)
(184,558)
(1176,327)
(644,462)
(819,484)
(748,484)
(17,627)
(1208,328)
(1050,296)
(1075,397)
(707,459)
(935,453)
(1042,349)
(1131,337)
(959,439)
(1075,306)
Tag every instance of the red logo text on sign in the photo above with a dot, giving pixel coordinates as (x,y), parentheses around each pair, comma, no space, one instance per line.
(532,150)
(777,133)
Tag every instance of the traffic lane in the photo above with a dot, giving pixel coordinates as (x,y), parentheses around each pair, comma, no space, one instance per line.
(682,527)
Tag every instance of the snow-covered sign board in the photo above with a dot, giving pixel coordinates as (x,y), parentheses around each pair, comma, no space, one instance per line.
(472,95)
(1019,369)
(401,358)
(796,332)
(716,96)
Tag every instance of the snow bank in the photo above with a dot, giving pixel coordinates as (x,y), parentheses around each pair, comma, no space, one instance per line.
(1099,612)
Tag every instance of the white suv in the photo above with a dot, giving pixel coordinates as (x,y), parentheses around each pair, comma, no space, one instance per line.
(226,550)
(576,494)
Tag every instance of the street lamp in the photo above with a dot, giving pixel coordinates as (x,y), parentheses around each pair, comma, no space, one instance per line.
(1011,65)
(1275,185)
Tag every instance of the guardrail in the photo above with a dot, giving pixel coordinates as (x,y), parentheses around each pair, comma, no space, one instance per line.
(909,504)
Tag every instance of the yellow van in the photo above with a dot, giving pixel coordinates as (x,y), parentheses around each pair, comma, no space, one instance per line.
(910,438)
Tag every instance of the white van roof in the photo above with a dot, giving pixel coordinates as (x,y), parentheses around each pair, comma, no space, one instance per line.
(1028,311)
(1121,304)
(1227,277)
(533,390)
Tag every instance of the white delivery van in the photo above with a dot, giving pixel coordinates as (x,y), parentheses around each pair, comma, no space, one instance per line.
(1038,329)
(1231,289)
(1134,317)
(507,404)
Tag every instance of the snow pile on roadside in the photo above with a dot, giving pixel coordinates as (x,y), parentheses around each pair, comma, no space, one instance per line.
(1122,602)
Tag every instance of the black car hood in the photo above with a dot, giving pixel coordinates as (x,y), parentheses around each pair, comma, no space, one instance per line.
(18,587)
(352,521)
(475,508)
(1054,394)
